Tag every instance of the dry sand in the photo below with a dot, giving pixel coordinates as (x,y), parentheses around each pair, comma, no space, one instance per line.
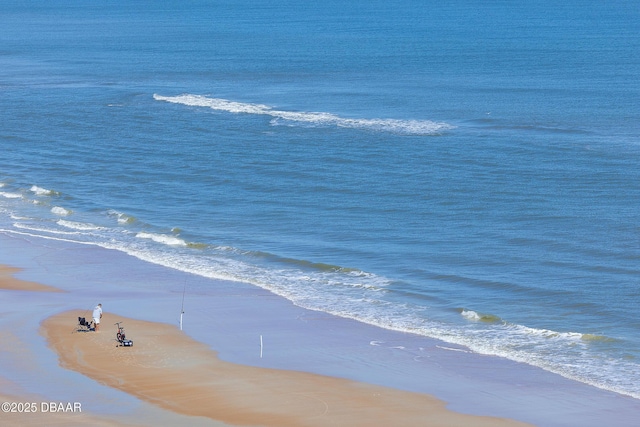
(169,369)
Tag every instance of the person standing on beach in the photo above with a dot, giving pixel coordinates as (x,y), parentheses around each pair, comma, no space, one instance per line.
(97,315)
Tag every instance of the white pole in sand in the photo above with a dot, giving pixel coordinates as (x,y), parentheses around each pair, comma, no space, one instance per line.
(260,346)
(182,309)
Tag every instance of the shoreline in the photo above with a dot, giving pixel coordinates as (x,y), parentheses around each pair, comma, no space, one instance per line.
(230,317)
(168,369)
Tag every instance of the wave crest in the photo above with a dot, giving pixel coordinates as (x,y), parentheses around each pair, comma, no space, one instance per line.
(10,195)
(58,210)
(162,238)
(479,317)
(407,127)
(39,191)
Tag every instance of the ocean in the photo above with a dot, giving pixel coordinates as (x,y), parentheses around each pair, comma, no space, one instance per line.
(466,171)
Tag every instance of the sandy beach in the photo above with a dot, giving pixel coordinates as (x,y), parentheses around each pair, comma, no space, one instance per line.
(167,368)
(170,370)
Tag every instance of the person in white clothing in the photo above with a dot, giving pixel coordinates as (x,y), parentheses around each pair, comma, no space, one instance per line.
(97,315)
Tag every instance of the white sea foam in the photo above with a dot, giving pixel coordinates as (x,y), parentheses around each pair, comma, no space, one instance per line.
(409,127)
(57,210)
(82,226)
(44,231)
(122,218)
(461,350)
(10,195)
(470,314)
(39,191)
(479,317)
(18,217)
(545,333)
(162,238)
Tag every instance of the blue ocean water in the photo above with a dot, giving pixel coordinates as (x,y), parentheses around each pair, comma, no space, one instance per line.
(462,171)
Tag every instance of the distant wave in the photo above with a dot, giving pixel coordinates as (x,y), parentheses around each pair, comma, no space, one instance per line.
(407,127)
(10,195)
(479,317)
(82,226)
(122,218)
(162,238)
(527,331)
(39,191)
(58,210)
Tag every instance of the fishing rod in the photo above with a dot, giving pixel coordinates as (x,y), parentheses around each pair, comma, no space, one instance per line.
(182,309)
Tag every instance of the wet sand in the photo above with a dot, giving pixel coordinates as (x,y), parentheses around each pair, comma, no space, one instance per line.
(10,282)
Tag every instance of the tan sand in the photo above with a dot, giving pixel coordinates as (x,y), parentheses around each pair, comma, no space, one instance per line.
(169,369)
(7,281)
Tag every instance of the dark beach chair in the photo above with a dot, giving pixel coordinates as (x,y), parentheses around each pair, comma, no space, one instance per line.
(83,325)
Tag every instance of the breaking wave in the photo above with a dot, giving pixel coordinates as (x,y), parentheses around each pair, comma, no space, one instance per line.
(58,210)
(162,238)
(39,191)
(407,127)
(10,195)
